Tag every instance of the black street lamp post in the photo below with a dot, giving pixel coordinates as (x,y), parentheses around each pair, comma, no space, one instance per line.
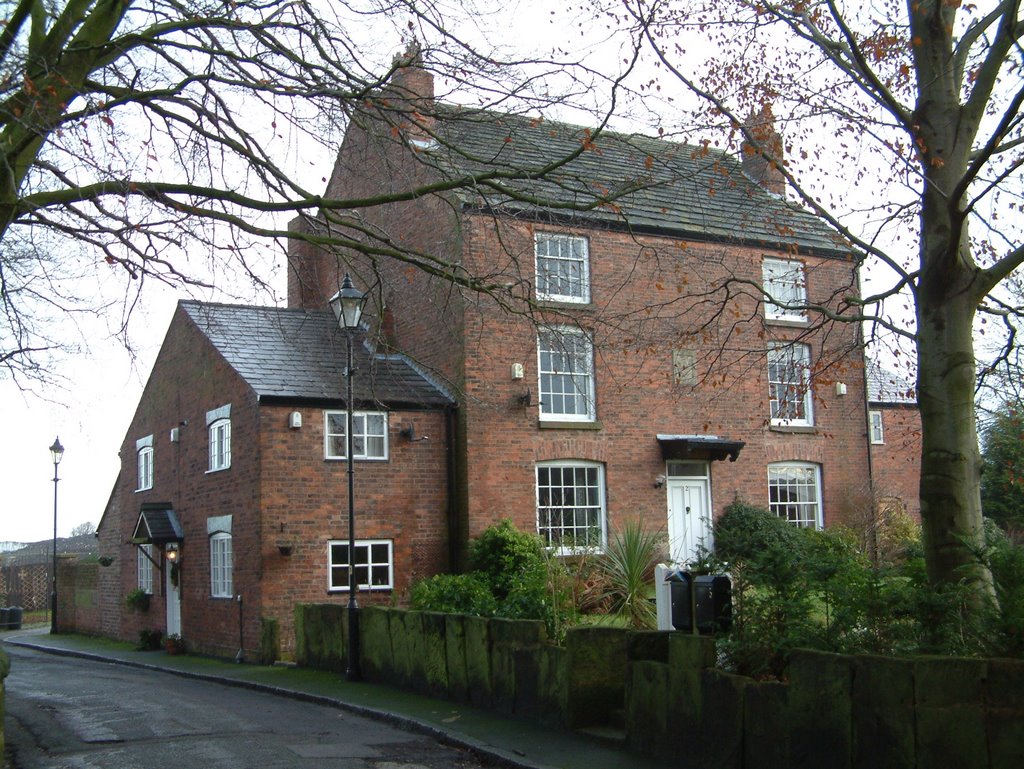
(57,453)
(348,308)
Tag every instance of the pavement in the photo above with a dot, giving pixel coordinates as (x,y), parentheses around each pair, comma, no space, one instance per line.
(491,736)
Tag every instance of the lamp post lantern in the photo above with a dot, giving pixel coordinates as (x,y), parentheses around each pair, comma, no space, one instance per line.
(348,309)
(57,454)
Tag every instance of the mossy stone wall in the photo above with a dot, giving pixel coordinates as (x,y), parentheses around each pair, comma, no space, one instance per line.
(832,712)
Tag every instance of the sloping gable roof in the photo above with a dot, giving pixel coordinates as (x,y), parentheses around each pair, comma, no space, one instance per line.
(658,186)
(295,354)
(885,386)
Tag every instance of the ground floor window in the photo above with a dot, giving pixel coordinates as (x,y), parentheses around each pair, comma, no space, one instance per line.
(221,584)
(570,505)
(145,583)
(794,493)
(373,563)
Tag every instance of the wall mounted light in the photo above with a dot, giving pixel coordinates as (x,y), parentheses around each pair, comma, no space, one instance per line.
(659,481)
(172,553)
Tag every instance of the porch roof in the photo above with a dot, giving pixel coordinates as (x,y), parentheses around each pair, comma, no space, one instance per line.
(701,447)
(157,525)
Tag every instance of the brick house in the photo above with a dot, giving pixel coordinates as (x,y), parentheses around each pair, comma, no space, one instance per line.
(647,357)
(234,463)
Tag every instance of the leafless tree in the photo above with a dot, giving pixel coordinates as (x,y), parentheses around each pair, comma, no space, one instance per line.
(903,130)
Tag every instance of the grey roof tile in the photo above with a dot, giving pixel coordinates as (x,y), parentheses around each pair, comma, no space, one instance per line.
(885,386)
(666,187)
(295,354)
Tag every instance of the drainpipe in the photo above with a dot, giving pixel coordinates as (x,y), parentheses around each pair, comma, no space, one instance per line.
(240,657)
(453,523)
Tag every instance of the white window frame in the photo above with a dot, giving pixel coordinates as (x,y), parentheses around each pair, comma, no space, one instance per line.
(790,399)
(220,445)
(587,480)
(800,508)
(145,465)
(335,444)
(337,570)
(876,428)
(565,359)
(221,565)
(145,568)
(563,267)
(785,283)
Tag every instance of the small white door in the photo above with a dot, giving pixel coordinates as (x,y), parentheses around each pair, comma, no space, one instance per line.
(173,600)
(689,518)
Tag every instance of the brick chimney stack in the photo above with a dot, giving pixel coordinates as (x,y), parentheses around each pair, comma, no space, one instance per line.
(411,88)
(761,161)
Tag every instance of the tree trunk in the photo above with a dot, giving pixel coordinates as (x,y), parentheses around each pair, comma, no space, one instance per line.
(950,460)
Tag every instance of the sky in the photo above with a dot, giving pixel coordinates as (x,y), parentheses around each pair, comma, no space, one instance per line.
(90,413)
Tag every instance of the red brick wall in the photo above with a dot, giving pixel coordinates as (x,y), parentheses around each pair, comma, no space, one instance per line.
(278,478)
(188,379)
(896,464)
(651,295)
(305,505)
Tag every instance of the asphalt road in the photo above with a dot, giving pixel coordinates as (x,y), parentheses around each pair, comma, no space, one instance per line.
(74,713)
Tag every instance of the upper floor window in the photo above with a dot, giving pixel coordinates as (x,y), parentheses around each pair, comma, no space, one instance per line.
(373,564)
(875,427)
(566,368)
(369,435)
(794,493)
(563,268)
(789,384)
(144,455)
(570,505)
(221,565)
(145,568)
(786,287)
(218,421)
(220,445)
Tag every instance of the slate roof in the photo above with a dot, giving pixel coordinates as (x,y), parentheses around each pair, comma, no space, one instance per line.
(665,187)
(886,386)
(295,355)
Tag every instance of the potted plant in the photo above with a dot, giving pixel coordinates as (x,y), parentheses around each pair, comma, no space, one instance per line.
(137,600)
(174,644)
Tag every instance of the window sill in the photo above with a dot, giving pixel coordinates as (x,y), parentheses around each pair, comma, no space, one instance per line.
(218,469)
(787,322)
(567,302)
(552,424)
(801,429)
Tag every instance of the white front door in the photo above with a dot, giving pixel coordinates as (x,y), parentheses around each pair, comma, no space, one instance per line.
(173,600)
(689,518)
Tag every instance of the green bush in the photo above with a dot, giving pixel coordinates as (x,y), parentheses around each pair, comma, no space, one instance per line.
(745,531)
(819,589)
(509,559)
(149,640)
(513,576)
(454,594)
